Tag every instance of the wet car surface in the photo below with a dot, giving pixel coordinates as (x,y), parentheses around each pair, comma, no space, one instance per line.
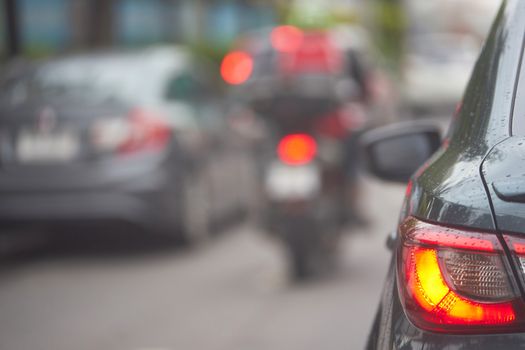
(469,185)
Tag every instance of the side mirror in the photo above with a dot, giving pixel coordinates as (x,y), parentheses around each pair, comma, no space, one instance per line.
(395,152)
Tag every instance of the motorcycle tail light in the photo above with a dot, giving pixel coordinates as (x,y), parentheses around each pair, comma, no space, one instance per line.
(456,281)
(297,149)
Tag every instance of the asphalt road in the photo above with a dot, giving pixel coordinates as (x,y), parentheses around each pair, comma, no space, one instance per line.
(113,293)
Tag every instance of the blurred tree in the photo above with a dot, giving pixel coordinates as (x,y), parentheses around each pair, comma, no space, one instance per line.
(390,22)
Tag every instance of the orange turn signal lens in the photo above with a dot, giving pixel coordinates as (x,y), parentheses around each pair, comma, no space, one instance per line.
(426,281)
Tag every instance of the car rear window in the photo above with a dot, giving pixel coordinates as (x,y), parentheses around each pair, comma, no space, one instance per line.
(120,78)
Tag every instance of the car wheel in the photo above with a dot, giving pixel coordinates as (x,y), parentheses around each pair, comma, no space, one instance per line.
(195,215)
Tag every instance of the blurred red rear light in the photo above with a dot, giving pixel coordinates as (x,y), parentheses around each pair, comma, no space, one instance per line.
(140,131)
(297,149)
(456,281)
(236,67)
(147,132)
(286,38)
(314,53)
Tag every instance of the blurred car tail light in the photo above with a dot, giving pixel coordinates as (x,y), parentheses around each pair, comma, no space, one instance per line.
(297,149)
(456,281)
(236,67)
(140,131)
(315,53)
(286,38)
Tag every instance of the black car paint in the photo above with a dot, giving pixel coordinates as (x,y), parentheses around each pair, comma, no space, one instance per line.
(450,189)
(504,172)
(456,186)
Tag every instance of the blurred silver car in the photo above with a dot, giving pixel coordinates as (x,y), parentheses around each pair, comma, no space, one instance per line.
(133,137)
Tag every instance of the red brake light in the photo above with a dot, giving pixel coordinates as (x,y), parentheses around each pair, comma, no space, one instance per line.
(456,281)
(297,149)
(146,132)
(140,131)
(286,38)
(314,53)
(517,246)
(236,67)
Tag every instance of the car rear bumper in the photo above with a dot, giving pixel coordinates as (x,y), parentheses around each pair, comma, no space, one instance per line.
(141,191)
(150,203)
(71,207)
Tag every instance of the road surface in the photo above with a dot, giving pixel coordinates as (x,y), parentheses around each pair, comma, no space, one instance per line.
(231,293)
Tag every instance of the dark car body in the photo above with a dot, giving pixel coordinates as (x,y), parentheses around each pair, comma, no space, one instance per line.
(78,106)
(475,181)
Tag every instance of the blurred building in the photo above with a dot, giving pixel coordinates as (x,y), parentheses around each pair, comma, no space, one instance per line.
(2,32)
(49,26)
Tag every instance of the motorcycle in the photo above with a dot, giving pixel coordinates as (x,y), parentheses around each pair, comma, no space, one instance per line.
(306,91)
(306,188)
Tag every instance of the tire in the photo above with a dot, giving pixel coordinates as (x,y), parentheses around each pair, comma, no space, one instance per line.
(301,267)
(194,216)
(312,246)
(300,236)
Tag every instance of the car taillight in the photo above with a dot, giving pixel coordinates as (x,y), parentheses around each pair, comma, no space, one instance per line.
(456,281)
(297,149)
(236,67)
(141,131)
(286,38)
(314,53)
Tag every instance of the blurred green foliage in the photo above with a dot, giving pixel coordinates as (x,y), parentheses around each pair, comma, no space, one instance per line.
(390,23)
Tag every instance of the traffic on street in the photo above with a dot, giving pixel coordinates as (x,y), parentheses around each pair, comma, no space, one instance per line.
(242,174)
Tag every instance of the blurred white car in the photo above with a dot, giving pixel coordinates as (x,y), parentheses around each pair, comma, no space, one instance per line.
(436,70)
